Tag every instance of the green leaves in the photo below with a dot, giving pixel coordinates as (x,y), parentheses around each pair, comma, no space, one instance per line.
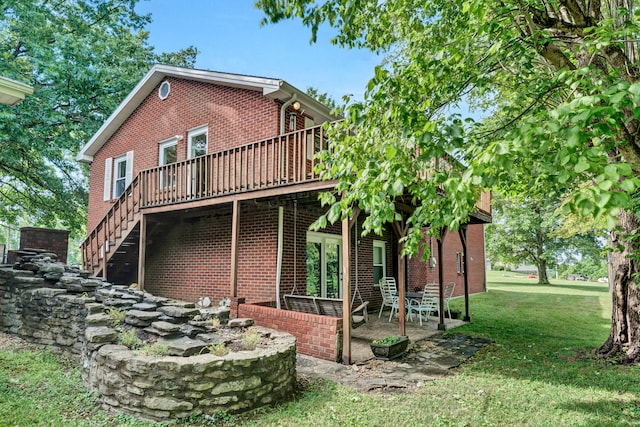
(82,58)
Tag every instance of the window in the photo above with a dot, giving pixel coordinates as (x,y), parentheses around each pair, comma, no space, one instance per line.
(168,154)
(168,151)
(379,261)
(312,148)
(164,90)
(292,121)
(117,175)
(459,262)
(198,139)
(324,265)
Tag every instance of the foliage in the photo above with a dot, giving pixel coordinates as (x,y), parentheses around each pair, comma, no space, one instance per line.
(81,58)
(390,340)
(214,323)
(219,349)
(527,230)
(323,98)
(130,339)
(558,117)
(250,339)
(117,315)
(154,349)
(560,85)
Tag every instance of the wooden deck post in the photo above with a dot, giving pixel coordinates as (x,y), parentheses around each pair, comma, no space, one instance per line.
(142,250)
(441,325)
(235,232)
(463,239)
(346,293)
(400,228)
(347,224)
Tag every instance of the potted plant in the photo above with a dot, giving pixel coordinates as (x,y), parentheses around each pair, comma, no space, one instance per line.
(390,347)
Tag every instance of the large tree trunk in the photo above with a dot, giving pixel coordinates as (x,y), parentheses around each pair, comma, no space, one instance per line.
(542,272)
(624,340)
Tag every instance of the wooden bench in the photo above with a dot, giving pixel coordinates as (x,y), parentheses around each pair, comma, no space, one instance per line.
(326,307)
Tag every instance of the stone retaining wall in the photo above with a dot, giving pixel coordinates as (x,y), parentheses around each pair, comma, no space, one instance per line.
(66,311)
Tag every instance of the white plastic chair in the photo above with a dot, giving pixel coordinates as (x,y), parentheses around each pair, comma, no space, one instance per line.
(423,307)
(389,291)
(449,287)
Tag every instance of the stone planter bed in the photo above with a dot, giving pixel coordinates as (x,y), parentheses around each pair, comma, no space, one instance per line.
(49,304)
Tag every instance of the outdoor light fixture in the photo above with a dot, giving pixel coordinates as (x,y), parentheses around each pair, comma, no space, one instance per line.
(296,105)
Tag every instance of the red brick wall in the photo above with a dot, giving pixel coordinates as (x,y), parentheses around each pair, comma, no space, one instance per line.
(54,241)
(192,258)
(234,116)
(422,272)
(317,336)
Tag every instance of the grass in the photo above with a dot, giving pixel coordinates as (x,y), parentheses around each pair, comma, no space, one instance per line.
(538,372)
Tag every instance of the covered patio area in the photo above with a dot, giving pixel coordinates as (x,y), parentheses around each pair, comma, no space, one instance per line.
(378,328)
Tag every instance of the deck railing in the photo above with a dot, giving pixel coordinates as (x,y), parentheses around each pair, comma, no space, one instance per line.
(112,228)
(282,160)
(279,161)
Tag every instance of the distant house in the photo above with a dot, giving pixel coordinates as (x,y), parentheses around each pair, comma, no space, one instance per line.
(203,183)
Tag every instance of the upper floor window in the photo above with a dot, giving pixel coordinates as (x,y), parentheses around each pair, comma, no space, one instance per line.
(168,154)
(168,151)
(120,176)
(117,175)
(198,141)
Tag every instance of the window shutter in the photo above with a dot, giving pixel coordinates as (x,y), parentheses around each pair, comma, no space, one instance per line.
(108,169)
(129,172)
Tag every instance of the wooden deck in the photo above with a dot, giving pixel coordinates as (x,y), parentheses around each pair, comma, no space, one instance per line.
(285,164)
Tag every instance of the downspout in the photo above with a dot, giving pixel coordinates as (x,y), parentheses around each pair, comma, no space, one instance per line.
(279,261)
(283,110)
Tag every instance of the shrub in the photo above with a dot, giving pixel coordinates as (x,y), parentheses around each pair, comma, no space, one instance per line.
(250,339)
(117,315)
(214,323)
(155,349)
(130,339)
(218,349)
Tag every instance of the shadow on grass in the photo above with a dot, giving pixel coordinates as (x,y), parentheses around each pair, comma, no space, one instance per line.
(548,337)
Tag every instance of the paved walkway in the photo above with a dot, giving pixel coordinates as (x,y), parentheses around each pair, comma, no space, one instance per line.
(430,355)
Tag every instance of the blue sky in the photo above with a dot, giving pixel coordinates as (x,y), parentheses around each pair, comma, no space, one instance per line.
(230,39)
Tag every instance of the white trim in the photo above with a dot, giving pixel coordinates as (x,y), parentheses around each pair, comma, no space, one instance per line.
(324,239)
(129,172)
(380,244)
(275,89)
(163,84)
(200,130)
(108,168)
(116,162)
(162,145)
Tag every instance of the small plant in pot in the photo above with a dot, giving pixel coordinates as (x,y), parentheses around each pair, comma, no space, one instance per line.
(390,347)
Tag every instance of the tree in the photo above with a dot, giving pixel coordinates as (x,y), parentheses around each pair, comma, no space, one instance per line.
(531,230)
(561,81)
(82,58)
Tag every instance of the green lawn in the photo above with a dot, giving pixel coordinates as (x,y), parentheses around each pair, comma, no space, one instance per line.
(539,372)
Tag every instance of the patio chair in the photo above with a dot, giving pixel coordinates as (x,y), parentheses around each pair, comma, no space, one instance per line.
(449,287)
(433,289)
(423,307)
(389,291)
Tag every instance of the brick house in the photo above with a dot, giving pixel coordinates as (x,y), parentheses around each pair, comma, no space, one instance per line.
(202,184)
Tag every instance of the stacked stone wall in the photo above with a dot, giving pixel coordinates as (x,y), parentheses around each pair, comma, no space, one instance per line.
(50,305)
